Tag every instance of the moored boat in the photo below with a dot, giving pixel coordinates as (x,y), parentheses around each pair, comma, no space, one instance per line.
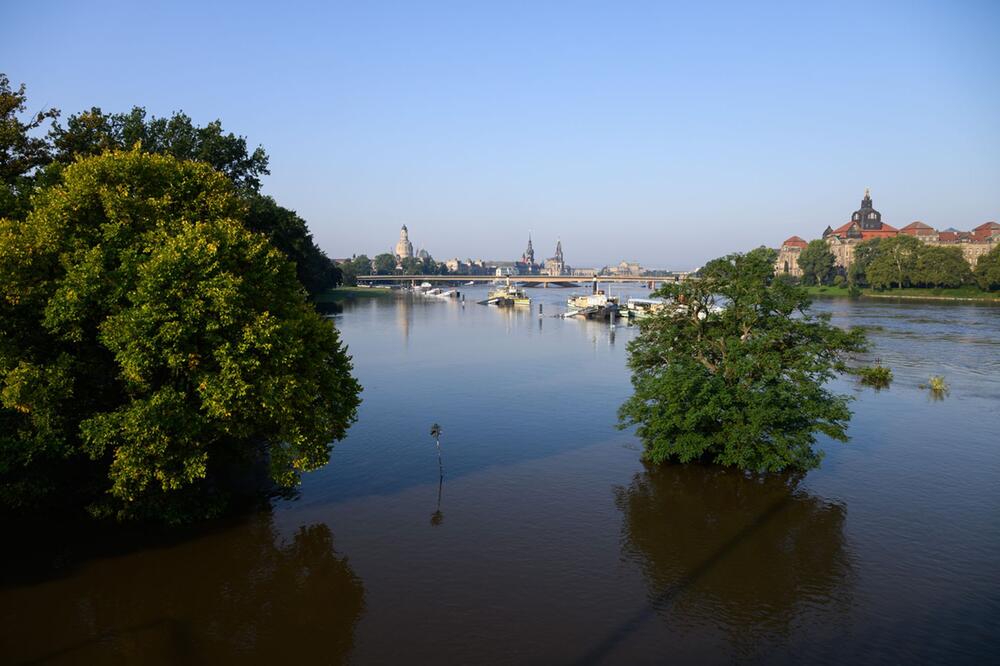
(592,306)
(507,296)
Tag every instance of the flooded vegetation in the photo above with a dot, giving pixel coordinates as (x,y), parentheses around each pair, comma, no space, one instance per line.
(548,539)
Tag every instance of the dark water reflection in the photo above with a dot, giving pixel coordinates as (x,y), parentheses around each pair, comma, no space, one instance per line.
(231,594)
(548,540)
(723,552)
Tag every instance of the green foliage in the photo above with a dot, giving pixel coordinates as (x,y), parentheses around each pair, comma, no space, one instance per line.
(735,372)
(941,267)
(894,263)
(816,262)
(939,388)
(385,264)
(21,152)
(988,270)
(876,376)
(904,261)
(288,232)
(358,266)
(863,255)
(839,281)
(149,342)
(94,132)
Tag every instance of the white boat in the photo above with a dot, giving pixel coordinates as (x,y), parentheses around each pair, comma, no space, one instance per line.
(592,306)
(643,307)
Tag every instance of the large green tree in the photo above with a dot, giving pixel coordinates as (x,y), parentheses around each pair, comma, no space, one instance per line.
(863,255)
(22,151)
(941,267)
(988,270)
(358,266)
(93,132)
(385,264)
(150,343)
(816,262)
(894,263)
(734,371)
(289,233)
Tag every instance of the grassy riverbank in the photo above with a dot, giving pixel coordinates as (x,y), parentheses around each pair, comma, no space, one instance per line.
(966,293)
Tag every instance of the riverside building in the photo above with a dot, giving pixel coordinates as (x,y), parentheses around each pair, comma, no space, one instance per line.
(866,224)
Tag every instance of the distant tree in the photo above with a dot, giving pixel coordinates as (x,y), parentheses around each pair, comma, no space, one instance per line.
(22,152)
(385,264)
(894,262)
(816,262)
(93,132)
(361,265)
(150,342)
(863,255)
(736,371)
(941,267)
(412,266)
(988,270)
(358,266)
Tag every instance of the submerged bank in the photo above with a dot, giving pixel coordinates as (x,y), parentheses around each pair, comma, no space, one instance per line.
(967,293)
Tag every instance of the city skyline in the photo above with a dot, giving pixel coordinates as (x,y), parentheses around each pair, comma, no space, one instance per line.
(666,135)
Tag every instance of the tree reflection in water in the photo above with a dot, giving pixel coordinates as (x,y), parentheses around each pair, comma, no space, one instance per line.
(741,556)
(237,594)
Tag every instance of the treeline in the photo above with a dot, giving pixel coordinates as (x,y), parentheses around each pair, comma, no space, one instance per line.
(34,152)
(898,262)
(159,357)
(386,264)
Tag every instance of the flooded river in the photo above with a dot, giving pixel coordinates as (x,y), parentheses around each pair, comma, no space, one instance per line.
(549,540)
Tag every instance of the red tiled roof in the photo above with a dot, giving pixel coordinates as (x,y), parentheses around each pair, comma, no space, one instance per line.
(794,241)
(918,228)
(986,230)
(887,230)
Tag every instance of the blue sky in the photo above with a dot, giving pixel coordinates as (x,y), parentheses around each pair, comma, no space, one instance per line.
(667,133)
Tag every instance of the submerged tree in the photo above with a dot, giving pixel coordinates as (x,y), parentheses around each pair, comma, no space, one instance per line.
(149,341)
(734,372)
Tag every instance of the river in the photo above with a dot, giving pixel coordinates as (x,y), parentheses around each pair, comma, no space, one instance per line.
(549,541)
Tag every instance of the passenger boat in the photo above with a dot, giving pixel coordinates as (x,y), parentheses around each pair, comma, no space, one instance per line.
(592,306)
(507,296)
(638,308)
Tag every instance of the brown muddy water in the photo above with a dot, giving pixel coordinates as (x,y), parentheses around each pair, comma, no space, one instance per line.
(549,540)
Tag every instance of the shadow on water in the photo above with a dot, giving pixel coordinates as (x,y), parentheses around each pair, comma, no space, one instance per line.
(723,551)
(237,592)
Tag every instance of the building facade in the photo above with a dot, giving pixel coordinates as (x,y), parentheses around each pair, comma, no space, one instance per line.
(556,265)
(866,224)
